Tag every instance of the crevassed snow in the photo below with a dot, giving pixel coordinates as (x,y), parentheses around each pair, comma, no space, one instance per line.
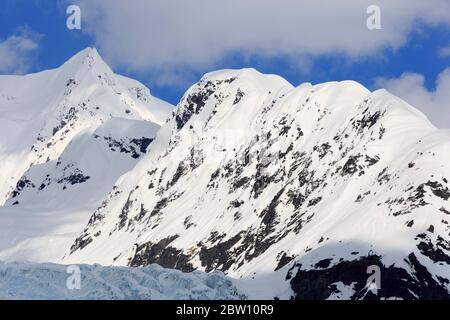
(59,282)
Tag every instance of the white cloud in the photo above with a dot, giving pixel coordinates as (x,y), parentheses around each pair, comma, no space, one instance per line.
(166,35)
(411,88)
(444,51)
(17,50)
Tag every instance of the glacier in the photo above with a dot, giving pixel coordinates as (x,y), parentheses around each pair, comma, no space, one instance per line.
(28,281)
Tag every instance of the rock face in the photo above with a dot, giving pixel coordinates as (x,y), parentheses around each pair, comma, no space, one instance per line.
(67,135)
(297,191)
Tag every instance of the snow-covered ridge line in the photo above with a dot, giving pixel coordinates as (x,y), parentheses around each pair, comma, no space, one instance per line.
(267,182)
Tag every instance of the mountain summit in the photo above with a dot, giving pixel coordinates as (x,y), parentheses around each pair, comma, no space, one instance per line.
(67,135)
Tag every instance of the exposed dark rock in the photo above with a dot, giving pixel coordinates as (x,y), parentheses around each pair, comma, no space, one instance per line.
(80,243)
(22,184)
(136,147)
(313,202)
(395,282)
(351,166)
(323,264)
(239,95)
(284,260)
(75,178)
(434,253)
(162,254)
(197,100)
(439,190)
(219,257)
(123,217)
(161,204)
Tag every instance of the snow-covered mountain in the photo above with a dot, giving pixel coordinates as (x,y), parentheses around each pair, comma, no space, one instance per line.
(295,191)
(67,135)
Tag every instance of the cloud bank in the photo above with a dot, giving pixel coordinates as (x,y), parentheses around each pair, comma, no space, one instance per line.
(444,51)
(16,52)
(167,35)
(434,103)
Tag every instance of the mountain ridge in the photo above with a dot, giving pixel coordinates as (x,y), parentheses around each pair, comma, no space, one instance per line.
(343,154)
(292,191)
(68,134)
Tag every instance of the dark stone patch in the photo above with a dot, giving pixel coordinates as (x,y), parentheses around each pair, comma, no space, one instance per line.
(351,166)
(71,82)
(284,154)
(395,282)
(269,214)
(239,95)
(136,147)
(361,197)
(74,178)
(383,176)
(434,253)
(322,149)
(181,171)
(197,100)
(123,217)
(161,204)
(142,143)
(323,264)
(371,161)
(20,185)
(261,181)
(381,132)
(284,260)
(410,223)
(188,223)
(236,203)
(162,254)
(239,183)
(439,190)
(314,201)
(142,213)
(80,243)
(219,257)
(296,198)
(368,121)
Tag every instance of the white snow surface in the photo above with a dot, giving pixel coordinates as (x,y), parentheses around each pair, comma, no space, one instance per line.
(66,136)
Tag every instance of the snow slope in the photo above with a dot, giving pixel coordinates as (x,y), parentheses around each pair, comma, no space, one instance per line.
(50,282)
(296,191)
(67,135)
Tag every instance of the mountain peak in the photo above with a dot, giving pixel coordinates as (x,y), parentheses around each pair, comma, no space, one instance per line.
(249,75)
(89,52)
(86,59)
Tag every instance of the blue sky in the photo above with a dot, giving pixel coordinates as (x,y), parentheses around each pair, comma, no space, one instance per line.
(45,22)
